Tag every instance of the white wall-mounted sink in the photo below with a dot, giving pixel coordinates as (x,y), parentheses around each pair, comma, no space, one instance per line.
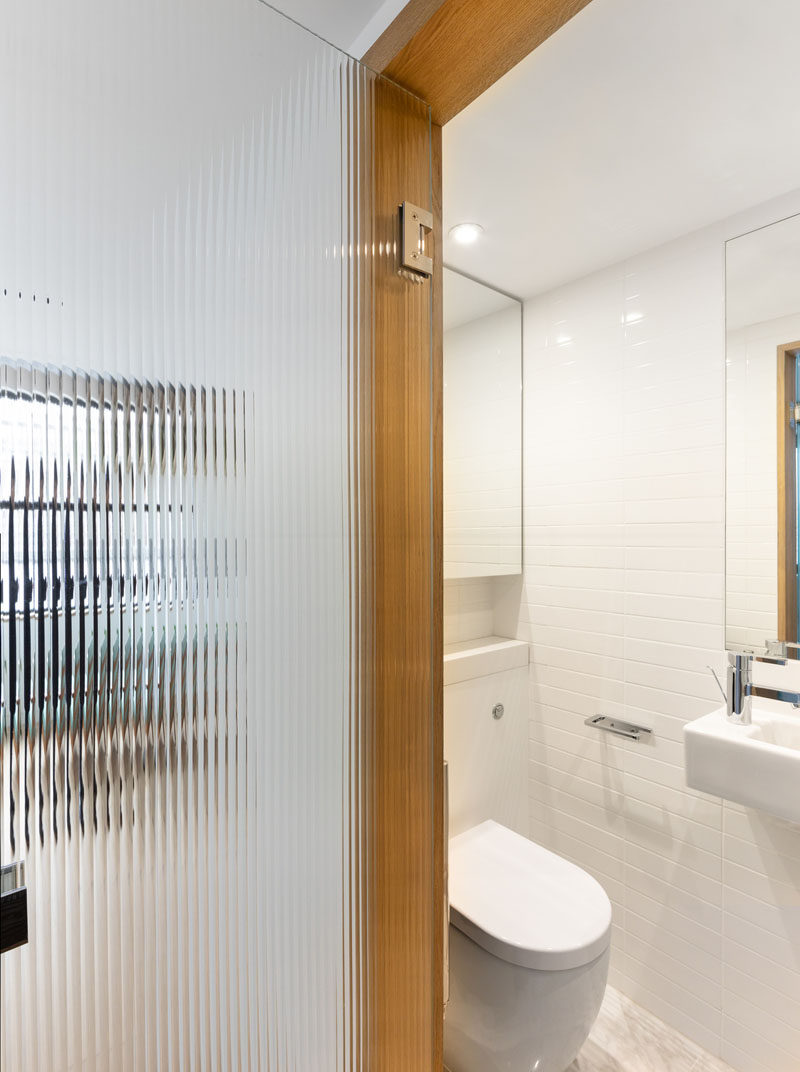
(756,765)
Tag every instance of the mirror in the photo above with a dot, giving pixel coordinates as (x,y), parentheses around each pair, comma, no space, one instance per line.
(762,301)
(482,430)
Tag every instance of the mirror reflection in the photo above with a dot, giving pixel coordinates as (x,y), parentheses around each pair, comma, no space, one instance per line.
(482,430)
(762,292)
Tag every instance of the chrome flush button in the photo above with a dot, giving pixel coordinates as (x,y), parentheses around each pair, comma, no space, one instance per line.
(498,711)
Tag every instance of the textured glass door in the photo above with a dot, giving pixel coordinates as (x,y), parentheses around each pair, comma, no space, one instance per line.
(186,294)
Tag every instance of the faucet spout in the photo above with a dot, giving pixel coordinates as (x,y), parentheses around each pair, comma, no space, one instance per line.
(740,688)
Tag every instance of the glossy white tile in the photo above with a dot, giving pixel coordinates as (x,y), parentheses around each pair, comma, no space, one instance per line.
(623,600)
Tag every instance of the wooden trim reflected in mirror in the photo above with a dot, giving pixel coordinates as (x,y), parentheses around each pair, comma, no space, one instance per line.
(787,491)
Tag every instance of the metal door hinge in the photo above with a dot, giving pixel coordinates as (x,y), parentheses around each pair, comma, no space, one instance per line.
(415,226)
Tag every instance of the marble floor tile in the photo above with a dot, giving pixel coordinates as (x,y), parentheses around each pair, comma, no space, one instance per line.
(627,1038)
(594,1058)
(707,1063)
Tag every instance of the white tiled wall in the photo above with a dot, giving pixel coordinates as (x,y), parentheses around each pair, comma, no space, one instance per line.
(468,609)
(623,602)
(752,494)
(480,607)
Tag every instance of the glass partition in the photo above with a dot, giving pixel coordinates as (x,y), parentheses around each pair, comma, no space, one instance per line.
(185,355)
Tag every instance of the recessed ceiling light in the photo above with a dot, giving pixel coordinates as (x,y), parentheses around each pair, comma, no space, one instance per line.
(466,233)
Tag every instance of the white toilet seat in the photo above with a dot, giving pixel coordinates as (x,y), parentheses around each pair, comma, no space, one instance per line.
(524,904)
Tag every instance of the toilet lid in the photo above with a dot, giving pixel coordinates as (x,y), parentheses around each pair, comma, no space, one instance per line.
(524,904)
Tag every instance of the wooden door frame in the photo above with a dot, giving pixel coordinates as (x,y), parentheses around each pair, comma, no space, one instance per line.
(788,355)
(404,837)
(446,52)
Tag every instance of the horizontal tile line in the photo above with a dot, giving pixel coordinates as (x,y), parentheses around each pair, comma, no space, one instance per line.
(693,822)
(586,759)
(795,860)
(679,1012)
(572,796)
(670,692)
(707,800)
(752,1031)
(599,870)
(684,866)
(571,710)
(728,888)
(644,941)
(753,998)
(716,907)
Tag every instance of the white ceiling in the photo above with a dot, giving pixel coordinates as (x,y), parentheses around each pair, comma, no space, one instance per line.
(465,300)
(351,25)
(762,274)
(639,121)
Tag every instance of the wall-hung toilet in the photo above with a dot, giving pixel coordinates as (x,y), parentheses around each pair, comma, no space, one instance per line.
(529,947)
(530,932)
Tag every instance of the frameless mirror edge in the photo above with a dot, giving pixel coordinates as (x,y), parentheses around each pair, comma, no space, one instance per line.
(451,572)
(770,646)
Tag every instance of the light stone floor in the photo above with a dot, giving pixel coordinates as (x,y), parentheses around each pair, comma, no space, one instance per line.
(627,1038)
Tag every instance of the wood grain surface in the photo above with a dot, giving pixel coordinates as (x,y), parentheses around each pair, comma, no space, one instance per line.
(465,46)
(406,837)
(787,494)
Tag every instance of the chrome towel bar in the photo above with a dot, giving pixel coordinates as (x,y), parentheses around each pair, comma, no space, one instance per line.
(617,726)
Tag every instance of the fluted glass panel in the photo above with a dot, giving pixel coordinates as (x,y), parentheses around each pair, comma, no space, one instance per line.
(185,234)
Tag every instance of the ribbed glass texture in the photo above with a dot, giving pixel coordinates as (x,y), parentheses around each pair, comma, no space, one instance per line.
(184,470)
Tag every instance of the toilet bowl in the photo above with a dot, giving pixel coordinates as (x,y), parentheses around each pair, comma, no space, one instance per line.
(529,948)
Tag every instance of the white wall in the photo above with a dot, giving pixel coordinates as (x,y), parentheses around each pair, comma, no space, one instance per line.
(468,609)
(486,756)
(481,607)
(752,481)
(623,603)
(351,25)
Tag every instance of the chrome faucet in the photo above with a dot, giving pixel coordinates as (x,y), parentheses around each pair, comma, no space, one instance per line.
(741,690)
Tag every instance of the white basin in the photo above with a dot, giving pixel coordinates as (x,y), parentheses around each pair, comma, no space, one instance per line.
(756,765)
